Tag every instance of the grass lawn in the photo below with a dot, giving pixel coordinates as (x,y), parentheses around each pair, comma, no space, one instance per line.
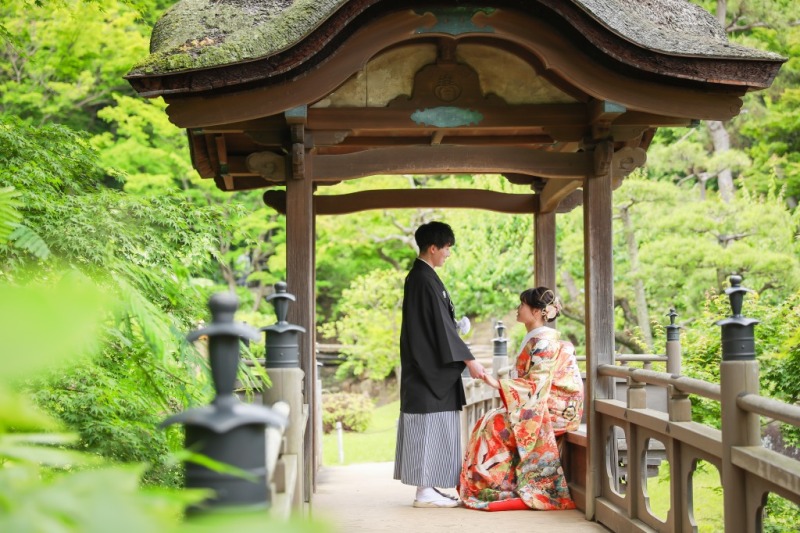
(707,496)
(374,445)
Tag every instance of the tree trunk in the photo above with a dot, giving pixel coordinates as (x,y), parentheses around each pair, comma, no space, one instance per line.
(722,11)
(719,135)
(642,314)
(721,140)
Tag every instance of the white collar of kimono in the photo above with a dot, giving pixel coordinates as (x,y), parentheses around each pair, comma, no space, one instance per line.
(430,265)
(535,331)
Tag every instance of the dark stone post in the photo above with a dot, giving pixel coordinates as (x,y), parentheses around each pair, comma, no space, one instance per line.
(500,349)
(738,341)
(282,342)
(227,431)
(738,375)
(673,347)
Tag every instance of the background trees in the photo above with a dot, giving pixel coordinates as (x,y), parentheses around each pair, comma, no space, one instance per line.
(95,182)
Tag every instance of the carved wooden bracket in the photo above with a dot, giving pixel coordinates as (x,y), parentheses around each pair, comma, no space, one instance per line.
(268,165)
(555,191)
(626,161)
(276,200)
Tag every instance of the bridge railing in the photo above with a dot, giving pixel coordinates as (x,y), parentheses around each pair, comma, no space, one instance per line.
(750,470)
(285,448)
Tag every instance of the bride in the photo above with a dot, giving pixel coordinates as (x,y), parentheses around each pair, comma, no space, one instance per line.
(512,459)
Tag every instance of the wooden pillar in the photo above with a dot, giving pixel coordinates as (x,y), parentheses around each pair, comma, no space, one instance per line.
(599,290)
(544,245)
(300,278)
(300,281)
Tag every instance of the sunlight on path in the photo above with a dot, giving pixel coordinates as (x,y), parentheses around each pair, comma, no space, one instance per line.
(364,498)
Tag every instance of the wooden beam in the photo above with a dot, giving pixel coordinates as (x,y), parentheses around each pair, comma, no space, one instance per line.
(640,118)
(352,144)
(423,198)
(451,159)
(555,191)
(601,114)
(604,111)
(492,117)
(564,59)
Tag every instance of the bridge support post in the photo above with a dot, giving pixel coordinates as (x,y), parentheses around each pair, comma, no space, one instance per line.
(673,347)
(738,375)
(282,362)
(227,431)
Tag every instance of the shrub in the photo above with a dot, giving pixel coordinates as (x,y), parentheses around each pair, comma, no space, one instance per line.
(354,411)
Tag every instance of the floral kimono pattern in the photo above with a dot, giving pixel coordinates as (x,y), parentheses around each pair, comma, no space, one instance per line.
(512,460)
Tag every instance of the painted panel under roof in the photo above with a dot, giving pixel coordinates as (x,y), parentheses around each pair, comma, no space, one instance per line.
(391,74)
(525,86)
(387,75)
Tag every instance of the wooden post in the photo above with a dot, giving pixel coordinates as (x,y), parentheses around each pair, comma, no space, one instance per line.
(738,375)
(300,280)
(544,245)
(599,290)
(287,386)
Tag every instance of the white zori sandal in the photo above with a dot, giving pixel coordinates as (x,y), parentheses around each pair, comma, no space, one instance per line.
(431,497)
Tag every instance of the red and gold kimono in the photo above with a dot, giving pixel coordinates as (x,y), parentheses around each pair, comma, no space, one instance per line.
(512,460)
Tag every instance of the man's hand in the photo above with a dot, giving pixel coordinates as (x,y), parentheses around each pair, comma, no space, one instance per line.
(476,369)
(491,381)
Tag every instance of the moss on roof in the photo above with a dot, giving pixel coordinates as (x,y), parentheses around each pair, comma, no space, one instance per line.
(196,34)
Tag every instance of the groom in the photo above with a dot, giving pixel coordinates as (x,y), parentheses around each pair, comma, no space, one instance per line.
(432,357)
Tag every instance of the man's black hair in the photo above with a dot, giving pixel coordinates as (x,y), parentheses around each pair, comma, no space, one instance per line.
(437,233)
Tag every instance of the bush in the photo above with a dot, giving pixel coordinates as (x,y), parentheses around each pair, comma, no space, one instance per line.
(354,411)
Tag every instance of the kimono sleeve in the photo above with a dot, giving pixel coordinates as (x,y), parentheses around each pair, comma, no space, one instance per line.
(525,397)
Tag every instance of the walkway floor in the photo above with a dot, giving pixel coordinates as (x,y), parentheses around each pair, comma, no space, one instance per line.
(365,498)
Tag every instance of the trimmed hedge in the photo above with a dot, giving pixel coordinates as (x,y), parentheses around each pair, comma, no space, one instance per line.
(354,411)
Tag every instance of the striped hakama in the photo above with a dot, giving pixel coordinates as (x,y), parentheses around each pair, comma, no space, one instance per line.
(428,452)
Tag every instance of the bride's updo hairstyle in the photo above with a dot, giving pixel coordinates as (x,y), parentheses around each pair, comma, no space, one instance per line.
(544,299)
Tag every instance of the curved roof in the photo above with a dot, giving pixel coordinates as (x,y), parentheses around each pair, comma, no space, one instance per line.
(670,26)
(208,34)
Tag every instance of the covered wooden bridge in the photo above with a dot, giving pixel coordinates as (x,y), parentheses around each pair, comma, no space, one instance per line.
(561,95)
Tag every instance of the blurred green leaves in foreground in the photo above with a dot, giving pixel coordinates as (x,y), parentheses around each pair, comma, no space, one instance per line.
(47,486)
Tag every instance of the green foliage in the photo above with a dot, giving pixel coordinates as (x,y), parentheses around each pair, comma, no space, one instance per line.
(45,485)
(780,515)
(9,213)
(64,495)
(491,263)
(129,247)
(352,410)
(376,444)
(58,69)
(371,330)
(777,350)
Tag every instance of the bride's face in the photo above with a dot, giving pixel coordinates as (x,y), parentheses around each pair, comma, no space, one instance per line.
(527,314)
